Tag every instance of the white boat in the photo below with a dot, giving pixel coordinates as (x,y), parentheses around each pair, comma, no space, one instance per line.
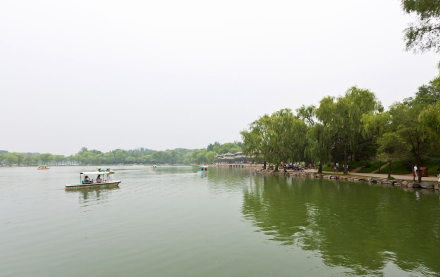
(86,182)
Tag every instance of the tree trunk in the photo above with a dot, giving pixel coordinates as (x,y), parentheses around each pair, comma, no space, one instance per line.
(276,168)
(345,162)
(320,168)
(389,171)
(264,165)
(419,172)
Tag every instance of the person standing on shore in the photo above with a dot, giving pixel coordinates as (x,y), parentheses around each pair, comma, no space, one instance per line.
(414,173)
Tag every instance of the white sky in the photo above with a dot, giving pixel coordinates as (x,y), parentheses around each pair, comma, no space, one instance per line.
(166,74)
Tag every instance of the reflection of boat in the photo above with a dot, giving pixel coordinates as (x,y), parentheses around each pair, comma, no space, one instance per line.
(86,183)
(42,167)
(203,170)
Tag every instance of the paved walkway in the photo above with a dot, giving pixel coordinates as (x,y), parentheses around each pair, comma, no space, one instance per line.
(383,176)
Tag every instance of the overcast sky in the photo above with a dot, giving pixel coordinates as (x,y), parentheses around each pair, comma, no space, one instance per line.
(166,74)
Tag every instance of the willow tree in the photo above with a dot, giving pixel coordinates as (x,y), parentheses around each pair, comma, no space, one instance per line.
(416,120)
(253,143)
(342,119)
(318,137)
(277,138)
(424,34)
(392,147)
(318,141)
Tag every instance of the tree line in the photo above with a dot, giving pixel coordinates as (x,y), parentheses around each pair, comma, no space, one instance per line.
(352,127)
(356,126)
(120,156)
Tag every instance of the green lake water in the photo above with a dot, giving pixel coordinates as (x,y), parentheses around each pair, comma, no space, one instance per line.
(171,222)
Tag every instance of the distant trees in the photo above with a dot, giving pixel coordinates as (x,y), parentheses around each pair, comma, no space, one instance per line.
(120,156)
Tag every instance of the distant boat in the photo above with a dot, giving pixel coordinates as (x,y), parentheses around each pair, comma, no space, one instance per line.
(43,167)
(107,170)
(203,170)
(86,182)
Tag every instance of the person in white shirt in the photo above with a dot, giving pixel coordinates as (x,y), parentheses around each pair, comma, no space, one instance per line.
(414,173)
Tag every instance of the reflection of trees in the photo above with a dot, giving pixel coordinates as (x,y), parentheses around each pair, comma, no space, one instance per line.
(351,225)
(231,179)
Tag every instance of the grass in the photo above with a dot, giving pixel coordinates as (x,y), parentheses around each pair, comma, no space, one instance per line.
(406,168)
(397,168)
(371,166)
(400,168)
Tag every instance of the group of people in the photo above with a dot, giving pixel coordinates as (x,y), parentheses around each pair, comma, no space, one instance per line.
(294,166)
(87,180)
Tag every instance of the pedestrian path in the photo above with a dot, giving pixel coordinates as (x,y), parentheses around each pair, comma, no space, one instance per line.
(408,177)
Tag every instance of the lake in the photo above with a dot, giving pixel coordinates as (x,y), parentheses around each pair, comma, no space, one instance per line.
(171,222)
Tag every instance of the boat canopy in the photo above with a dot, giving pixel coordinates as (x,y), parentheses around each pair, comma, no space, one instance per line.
(97,173)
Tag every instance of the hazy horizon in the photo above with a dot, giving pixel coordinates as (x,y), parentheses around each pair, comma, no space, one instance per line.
(173,74)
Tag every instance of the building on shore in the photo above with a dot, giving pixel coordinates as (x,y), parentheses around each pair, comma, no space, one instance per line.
(232,158)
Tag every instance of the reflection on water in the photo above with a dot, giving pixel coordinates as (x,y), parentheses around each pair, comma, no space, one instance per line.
(93,194)
(356,226)
(232,222)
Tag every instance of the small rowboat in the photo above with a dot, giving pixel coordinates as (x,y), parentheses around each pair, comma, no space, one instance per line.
(85,182)
(43,167)
(203,170)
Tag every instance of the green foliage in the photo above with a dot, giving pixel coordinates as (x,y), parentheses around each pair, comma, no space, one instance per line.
(229,147)
(398,168)
(342,119)
(370,167)
(318,141)
(210,157)
(277,138)
(424,34)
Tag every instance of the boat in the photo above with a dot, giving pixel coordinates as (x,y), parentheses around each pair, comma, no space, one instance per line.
(107,170)
(85,182)
(43,167)
(203,170)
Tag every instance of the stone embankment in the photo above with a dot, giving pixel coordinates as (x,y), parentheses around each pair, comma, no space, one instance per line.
(395,183)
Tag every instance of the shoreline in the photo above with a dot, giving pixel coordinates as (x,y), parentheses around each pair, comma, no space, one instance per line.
(405,182)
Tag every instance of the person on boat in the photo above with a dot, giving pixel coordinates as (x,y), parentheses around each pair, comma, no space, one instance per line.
(98,179)
(109,178)
(87,180)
